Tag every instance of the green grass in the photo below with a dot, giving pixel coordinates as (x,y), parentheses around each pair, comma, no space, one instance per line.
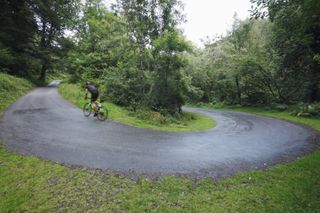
(12,88)
(198,122)
(28,184)
(32,185)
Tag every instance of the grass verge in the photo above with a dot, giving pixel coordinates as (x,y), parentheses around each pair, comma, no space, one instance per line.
(32,185)
(12,88)
(188,122)
(28,184)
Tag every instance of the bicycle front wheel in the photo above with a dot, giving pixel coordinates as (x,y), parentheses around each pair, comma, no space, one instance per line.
(87,109)
(103,113)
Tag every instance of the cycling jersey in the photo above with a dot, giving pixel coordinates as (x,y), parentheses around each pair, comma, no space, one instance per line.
(94,92)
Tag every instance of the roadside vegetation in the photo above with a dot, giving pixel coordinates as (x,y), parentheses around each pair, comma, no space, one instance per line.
(32,185)
(143,118)
(12,88)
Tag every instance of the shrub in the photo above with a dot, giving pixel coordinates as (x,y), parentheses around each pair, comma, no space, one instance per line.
(306,110)
(280,107)
(157,118)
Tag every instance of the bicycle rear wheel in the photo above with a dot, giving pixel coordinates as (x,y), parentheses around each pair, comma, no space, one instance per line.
(103,113)
(87,109)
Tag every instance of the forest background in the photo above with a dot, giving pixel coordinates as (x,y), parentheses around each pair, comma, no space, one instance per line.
(139,58)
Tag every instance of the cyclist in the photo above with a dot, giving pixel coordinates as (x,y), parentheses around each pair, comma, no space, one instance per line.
(89,88)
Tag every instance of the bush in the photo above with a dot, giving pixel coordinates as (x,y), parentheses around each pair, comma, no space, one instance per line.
(280,107)
(217,105)
(306,110)
(157,118)
(127,86)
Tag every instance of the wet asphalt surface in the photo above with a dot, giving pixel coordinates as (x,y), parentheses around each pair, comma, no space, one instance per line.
(44,124)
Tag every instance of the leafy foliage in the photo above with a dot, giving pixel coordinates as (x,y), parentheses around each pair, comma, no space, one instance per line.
(170,86)
(17,33)
(306,110)
(133,53)
(234,69)
(262,61)
(296,43)
(32,38)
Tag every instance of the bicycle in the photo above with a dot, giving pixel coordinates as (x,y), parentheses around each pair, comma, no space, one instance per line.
(102,113)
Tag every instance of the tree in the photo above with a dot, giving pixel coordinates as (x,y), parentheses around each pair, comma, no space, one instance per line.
(235,69)
(239,37)
(17,32)
(169,89)
(170,85)
(296,43)
(152,30)
(53,18)
(105,56)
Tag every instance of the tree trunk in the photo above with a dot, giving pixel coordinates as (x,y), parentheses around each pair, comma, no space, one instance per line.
(314,86)
(43,71)
(314,92)
(238,89)
(43,47)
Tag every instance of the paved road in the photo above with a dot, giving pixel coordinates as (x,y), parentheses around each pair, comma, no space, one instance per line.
(44,124)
